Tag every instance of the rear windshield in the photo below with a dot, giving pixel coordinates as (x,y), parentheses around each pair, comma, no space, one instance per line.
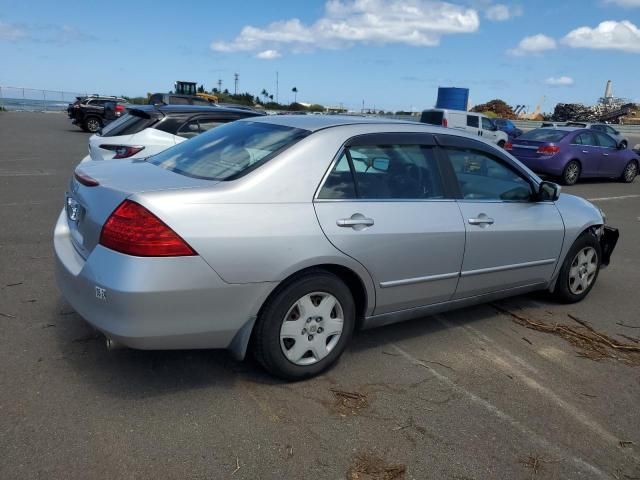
(127,124)
(544,135)
(432,118)
(229,151)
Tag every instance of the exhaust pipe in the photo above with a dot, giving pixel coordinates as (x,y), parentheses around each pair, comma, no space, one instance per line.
(113,345)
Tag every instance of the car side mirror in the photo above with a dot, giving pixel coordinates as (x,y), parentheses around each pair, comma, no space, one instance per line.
(548,192)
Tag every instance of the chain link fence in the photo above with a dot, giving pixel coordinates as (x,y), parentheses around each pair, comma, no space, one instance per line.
(33,100)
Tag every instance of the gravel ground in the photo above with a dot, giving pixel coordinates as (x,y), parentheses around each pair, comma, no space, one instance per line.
(471,394)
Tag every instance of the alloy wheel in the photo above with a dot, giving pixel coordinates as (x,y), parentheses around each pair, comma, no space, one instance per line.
(571,175)
(93,125)
(583,270)
(630,171)
(311,328)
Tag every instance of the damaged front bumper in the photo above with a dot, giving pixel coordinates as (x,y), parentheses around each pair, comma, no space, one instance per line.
(608,238)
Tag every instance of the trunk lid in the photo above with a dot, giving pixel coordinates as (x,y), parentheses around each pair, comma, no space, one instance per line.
(526,148)
(88,207)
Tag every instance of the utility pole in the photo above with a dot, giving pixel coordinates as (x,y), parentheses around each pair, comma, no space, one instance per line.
(235,87)
(277,99)
(362,111)
(220,85)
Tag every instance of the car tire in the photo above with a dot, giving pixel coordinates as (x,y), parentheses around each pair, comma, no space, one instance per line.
(297,307)
(630,172)
(502,143)
(571,173)
(579,270)
(623,145)
(91,124)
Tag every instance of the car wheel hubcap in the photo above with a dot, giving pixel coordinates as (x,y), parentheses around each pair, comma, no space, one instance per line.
(583,270)
(311,328)
(572,172)
(630,171)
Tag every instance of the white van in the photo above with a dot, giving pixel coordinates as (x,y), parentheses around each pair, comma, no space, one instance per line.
(474,123)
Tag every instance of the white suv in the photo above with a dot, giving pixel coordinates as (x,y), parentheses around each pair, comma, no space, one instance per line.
(149,129)
(474,123)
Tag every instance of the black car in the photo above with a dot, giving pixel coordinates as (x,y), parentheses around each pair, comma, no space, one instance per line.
(91,113)
(177,99)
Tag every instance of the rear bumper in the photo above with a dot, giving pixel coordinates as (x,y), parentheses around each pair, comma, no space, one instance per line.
(608,241)
(153,303)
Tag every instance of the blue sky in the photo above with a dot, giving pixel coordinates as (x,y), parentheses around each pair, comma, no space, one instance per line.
(393,54)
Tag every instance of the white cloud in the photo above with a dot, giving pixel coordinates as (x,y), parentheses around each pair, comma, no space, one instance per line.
(501,13)
(562,81)
(533,44)
(268,54)
(610,35)
(419,23)
(11,32)
(625,3)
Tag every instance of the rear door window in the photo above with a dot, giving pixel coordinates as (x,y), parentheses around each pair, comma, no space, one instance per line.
(585,138)
(189,129)
(473,121)
(385,172)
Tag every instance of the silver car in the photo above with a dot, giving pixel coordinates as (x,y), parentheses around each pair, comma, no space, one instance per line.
(283,234)
(621,140)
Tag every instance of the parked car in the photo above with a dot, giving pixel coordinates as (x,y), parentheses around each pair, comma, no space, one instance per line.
(283,234)
(622,141)
(177,99)
(94,112)
(552,124)
(474,123)
(508,127)
(571,153)
(149,129)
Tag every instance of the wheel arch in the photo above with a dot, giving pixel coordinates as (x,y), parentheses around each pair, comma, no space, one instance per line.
(361,289)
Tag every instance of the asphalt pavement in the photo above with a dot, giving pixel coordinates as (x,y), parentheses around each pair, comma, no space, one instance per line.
(471,394)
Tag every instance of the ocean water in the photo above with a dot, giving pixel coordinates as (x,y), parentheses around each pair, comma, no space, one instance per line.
(33,105)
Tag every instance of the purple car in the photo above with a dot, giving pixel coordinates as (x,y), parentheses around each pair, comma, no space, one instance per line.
(571,153)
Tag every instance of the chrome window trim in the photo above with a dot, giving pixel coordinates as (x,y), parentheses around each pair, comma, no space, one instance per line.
(504,268)
(411,281)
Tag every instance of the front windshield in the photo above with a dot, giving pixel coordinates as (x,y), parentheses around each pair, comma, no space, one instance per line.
(230,151)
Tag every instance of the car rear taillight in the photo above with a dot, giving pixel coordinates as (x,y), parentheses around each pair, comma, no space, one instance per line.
(120,108)
(445,122)
(548,150)
(134,230)
(85,179)
(122,151)
(508,146)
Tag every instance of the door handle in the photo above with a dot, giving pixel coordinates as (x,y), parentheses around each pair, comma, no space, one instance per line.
(605,154)
(357,222)
(585,151)
(481,220)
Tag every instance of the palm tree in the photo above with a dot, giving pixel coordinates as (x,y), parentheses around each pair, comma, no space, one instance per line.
(265,94)
(295,94)
(271,97)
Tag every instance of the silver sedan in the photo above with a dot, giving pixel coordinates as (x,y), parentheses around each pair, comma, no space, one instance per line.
(283,235)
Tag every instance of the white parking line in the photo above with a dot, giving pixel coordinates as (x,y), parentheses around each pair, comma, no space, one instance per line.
(526,431)
(604,199)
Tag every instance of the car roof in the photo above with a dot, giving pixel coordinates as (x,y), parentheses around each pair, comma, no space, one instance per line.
(190,109)
(319,122)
